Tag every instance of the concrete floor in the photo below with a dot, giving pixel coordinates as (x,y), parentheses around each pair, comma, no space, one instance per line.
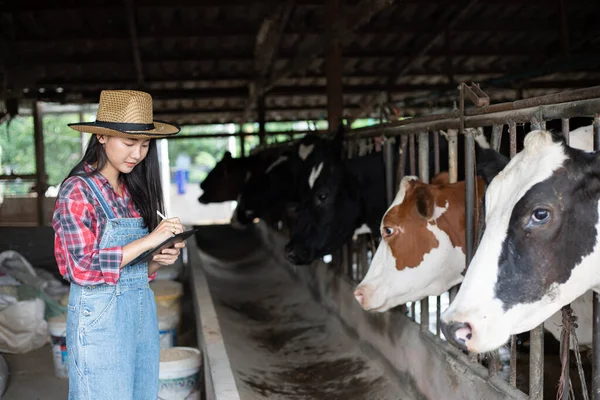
(281,343)
(32,377)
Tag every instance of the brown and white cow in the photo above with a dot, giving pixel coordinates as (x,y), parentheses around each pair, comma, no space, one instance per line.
(423,248)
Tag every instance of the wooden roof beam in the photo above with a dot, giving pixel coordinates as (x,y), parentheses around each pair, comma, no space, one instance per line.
(312,47)
(404,66)
(268,39)
(241,92)
(135,43)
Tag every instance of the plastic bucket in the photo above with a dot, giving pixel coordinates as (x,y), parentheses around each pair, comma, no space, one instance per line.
(167,294)
(168,320)
(179,374)
(57,327)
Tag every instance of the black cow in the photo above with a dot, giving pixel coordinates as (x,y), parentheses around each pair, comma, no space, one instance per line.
(343,196)
(227,179)
(284,182)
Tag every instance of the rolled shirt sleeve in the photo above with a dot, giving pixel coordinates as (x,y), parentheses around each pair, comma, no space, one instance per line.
(75,224)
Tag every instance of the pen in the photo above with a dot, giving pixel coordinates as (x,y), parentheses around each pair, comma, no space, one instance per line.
(160,215)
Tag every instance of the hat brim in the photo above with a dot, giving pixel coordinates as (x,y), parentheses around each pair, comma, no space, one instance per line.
(161,130)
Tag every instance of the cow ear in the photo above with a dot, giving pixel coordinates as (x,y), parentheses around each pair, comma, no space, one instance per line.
(424,202)
(227,155)
(490,163)
(443,178)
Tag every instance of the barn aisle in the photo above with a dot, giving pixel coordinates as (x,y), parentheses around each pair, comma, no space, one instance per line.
(281,343)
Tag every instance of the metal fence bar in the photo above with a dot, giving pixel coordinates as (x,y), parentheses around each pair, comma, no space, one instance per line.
(512,130)
(401,170)
(469,182)
(389,170)
(424,176)
(509,108)
(436,153)
(497,136)
(536,338)
(411,154)
(596,304)
(452,177)
(565,129)
(541,113)
(536,363)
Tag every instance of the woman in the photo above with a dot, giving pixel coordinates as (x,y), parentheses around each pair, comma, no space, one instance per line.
(104,212)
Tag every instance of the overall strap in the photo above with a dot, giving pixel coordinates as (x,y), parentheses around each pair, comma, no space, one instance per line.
(92,184)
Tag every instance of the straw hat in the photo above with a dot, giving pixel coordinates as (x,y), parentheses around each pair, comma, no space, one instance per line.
(127,114)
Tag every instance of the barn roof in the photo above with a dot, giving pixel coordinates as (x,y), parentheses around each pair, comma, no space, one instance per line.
(204,60)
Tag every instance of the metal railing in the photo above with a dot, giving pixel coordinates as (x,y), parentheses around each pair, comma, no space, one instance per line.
(410,139)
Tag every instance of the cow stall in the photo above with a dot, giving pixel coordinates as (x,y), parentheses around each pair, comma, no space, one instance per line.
(408,339)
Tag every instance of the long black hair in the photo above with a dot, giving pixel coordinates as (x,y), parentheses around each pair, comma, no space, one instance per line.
(143,182)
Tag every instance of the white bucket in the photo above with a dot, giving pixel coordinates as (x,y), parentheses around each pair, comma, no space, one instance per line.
(57,327)
(168,320)
(179,374)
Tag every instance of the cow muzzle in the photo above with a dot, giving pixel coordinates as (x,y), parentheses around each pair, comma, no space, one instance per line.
(297,253)
(458,333)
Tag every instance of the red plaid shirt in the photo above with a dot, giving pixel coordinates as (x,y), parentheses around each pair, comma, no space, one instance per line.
(79,223)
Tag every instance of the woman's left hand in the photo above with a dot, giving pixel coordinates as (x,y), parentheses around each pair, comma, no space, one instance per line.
(166,257)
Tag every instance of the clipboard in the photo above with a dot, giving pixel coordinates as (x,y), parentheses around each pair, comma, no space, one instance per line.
(170,242)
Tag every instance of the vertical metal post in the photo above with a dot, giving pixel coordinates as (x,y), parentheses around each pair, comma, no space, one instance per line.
(497,136)
(536,338)
(452,156)
(41,183)
(411,153)
(564,358)
(403,149)
(452,177)
(536,363)
(389,170)
(436,153)
(424,176)
(363,259)
(469,180)
(260,107)
(242,141)
(512,130)
(512,133)
(596,306)
(565,129)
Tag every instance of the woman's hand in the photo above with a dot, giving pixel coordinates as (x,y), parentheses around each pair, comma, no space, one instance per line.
(165,229)
(166,257)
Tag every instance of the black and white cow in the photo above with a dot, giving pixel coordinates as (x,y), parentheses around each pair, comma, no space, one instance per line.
(343,196)
(227,179)
(540,248)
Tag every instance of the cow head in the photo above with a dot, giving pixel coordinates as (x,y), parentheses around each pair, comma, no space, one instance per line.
(327,218)
(329,213)
(266,191)
(540,248)
(224,182)
(423,248)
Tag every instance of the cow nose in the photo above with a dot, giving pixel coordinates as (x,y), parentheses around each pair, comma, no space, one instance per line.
(296,254)
(457,333)
(359,296)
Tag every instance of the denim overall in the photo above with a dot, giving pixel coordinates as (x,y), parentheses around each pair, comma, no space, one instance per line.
(112,330)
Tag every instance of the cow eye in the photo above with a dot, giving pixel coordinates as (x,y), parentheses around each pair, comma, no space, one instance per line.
(322,196)
(387,231)
(540,215)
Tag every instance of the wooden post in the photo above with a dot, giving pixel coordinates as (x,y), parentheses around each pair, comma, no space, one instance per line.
(260,107)
(333,65)
(40,167)
(242,141)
